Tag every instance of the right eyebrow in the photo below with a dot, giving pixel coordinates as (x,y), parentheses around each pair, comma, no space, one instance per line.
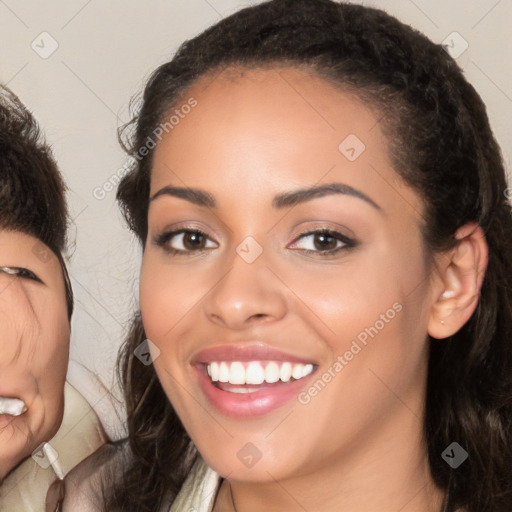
(193,195)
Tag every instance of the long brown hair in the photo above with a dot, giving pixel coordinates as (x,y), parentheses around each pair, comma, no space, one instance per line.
(441,144)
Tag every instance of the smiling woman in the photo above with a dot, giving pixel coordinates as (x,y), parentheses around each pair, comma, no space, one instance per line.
(330,222)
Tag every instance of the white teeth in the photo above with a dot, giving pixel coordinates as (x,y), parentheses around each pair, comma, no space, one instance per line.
(237,373)
(223,372)
(242,390)
(308,368)
(297,371)
(213,371)
(286,372)
(256,373)
(12,406)
(271,373)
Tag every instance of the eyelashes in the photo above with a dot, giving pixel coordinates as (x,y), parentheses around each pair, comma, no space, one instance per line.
(196,241)
(24,273)
(184,236)
(326,237)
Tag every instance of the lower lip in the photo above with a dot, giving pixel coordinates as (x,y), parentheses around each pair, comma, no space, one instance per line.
(6,419)
(249,405)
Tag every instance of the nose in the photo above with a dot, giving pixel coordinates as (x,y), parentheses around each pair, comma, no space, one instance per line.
(245,295)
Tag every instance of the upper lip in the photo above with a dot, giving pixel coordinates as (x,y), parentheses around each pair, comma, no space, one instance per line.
(244,352)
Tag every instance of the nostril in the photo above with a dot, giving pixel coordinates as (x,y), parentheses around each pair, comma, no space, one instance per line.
(258,315)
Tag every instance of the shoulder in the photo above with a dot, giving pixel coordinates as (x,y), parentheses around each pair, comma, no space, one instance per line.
(199,489)
(79,435)
(82,489)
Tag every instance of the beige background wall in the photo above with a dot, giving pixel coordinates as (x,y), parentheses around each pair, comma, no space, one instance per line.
(102,52)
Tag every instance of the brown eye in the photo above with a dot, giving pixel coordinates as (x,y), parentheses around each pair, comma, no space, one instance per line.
(193,240)
(323,242)
(183,241)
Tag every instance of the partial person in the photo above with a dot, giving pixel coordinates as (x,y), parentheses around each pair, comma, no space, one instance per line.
(46,426)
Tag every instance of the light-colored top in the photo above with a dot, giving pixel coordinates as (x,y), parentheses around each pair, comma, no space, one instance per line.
(198,491)
(80,434)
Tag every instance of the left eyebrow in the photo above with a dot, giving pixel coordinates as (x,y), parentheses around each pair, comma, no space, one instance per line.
(307,194)
(284,200)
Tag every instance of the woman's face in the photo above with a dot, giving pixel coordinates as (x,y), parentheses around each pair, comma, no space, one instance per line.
(283,246)
(34,346)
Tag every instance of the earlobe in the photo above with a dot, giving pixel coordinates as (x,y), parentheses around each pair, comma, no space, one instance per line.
(462,270)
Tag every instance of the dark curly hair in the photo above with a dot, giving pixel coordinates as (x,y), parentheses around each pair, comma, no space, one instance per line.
(441,144)
(32,190)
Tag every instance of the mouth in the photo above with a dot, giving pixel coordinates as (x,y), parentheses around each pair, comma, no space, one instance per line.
(250,375)
(10,409)
(12,406)
(246,382)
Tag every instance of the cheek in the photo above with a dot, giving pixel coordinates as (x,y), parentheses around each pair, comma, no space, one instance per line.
(52,346)
(53,352)
(343,299)
(48,366)
(370,309)
(157,301)
(167,295)
(162,306)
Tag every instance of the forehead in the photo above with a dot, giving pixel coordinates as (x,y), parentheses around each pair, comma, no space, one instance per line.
(279,127)
(23,250)
(240,109)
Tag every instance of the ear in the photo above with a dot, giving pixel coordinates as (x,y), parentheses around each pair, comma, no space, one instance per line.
(461,274)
